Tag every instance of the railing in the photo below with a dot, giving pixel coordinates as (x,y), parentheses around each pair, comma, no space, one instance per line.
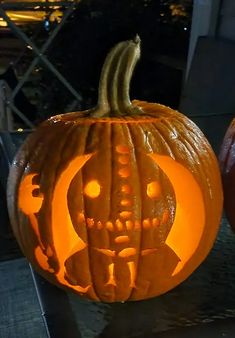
(56,311)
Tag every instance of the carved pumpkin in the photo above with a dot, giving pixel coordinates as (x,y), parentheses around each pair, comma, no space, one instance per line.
(120,202)
(227,164)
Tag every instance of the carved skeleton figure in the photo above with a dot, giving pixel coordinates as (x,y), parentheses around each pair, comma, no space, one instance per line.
(131,236)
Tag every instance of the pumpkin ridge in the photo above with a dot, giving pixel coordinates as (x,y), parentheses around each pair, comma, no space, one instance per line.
(31,157)
(89,253)
(132,142)
(141,213)
(187,140)
(112,166)
(166,148)
(224,163)
(43,217)
(16,212)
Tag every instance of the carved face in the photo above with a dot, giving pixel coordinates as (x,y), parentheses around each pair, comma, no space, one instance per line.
(120,202)
(124,194)
(120,219)
(125,221)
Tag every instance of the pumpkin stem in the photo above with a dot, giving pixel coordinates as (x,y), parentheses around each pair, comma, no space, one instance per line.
(113,97)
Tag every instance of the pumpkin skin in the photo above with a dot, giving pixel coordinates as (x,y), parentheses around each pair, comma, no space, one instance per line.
(227,166)
(120,202)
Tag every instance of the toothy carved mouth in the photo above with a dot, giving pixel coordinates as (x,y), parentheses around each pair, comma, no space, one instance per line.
(122,225)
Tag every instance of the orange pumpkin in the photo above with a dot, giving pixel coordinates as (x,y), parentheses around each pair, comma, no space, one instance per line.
(227,164)
(120,202)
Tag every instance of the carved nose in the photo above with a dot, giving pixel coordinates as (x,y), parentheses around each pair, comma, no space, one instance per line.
(124,171)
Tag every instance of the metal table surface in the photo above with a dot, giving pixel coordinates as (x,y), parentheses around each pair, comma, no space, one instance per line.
(202,306)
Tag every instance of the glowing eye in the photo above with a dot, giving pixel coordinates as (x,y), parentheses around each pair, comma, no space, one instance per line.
(92,189)
(154,190)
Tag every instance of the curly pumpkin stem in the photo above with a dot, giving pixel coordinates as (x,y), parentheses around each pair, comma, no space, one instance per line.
(113,97)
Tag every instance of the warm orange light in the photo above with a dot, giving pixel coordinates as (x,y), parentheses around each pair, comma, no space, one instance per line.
(132,270)
(123,159)
(129,225)
(23,17)
(111,280)
(124,172)
(190,210)
(27,201)
(122,149)
(146,223)
(125,214)
(125,202)
(109,226)
(92,189)
(154,190)
(126,189)
(122,239)
(127,252)
(67,242)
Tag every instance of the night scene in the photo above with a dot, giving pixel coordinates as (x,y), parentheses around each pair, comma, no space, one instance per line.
(117,175)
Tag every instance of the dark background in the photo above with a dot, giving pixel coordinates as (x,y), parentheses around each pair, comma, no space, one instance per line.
(80,48)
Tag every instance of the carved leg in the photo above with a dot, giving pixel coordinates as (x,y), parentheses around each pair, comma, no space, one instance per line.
(132,270)
(111,280)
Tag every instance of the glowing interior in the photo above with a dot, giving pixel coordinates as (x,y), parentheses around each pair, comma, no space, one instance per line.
(92,189)
(122,239)
(27,201)
(189,221)
(126,189)
(66,240)
(122,159)
(154,190)
(190,214)
(122,149)
(126,202)
(124,172)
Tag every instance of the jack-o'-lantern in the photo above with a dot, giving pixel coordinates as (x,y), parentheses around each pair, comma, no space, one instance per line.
(120,202)
(227,165)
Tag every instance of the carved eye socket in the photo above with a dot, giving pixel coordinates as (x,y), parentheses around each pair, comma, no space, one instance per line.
(154,190)
(92,189)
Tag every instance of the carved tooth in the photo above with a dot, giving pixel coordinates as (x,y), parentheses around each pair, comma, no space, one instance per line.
(109,226)
(132,269)
(90,222)
(129,225)
(146,223)
(119,225)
